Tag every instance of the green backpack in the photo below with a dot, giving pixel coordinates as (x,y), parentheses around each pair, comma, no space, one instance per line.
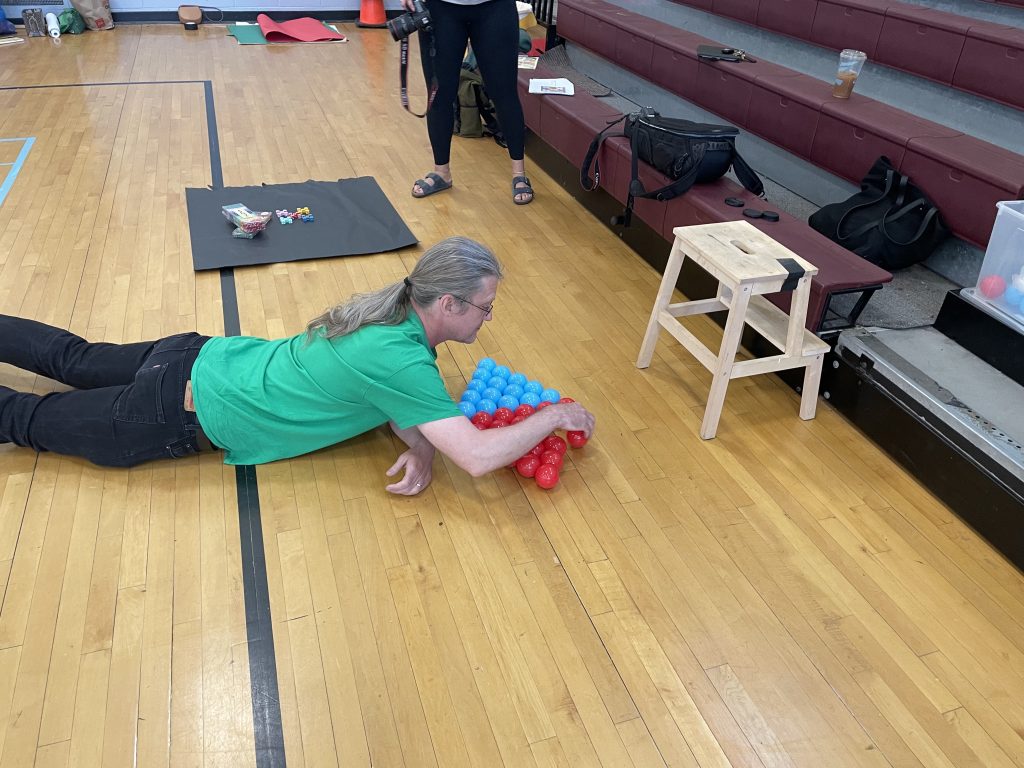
(474,113)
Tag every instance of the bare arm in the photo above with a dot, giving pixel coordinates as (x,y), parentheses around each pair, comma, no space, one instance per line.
(479,452)
(417,462)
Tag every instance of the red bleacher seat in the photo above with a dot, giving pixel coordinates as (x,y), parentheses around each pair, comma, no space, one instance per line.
(674,60)
(785,110)
(919,39)
(742,10)
(634,46)
(843,136)
(992,63)
(960,169)
(852,134)
(790,17)
(842,24)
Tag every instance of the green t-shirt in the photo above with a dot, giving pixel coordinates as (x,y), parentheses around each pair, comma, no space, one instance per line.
(265,400)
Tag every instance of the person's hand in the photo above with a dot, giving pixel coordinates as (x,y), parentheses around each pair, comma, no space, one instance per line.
(574,417)
(418,465)
(407,4)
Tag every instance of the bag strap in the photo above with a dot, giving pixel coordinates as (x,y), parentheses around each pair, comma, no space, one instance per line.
(748,176)
(840,237)
(887,219)
(676,188)
(585,181)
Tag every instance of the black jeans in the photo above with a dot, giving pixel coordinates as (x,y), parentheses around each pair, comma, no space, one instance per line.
(128,402)
(493,30)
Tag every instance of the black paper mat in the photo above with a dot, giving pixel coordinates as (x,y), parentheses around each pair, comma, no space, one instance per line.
(352,217)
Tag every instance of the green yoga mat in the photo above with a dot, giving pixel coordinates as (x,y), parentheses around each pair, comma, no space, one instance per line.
(247,34)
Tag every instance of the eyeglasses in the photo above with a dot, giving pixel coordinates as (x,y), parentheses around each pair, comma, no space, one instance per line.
(486,310)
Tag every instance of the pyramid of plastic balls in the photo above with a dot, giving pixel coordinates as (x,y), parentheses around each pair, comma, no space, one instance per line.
(496,397)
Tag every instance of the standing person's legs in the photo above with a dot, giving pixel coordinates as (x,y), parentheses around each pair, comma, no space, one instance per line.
(116,426)
(451,34)
(61,355)
(494,35)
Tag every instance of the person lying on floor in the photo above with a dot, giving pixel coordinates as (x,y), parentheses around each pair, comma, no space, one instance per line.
(361,364)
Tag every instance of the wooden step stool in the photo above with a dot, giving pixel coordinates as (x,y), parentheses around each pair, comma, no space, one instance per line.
(746,263)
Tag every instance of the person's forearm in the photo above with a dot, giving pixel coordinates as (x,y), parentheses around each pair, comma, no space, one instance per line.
(496,448)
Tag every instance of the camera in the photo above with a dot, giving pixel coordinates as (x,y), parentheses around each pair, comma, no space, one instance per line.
(417,19)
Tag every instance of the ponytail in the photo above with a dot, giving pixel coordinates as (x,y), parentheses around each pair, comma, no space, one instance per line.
(454,266)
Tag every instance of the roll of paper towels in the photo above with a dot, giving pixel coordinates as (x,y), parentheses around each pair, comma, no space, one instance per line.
(52,25)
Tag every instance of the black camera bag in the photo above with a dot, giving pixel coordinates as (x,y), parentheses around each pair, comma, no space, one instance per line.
(890,222)
(687,152)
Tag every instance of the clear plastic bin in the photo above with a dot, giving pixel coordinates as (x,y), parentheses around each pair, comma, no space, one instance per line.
(1001,280)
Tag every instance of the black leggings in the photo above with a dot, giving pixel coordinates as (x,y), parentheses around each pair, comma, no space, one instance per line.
(493,30)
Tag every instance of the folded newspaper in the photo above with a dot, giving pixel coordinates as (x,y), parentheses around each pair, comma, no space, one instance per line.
(556,86)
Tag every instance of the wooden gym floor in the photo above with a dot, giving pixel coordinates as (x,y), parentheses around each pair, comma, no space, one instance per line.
(784,595)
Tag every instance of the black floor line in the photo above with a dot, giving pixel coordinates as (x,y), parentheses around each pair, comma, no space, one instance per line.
(266,702)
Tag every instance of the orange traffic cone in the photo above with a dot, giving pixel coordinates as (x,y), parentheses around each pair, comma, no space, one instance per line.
(371,14)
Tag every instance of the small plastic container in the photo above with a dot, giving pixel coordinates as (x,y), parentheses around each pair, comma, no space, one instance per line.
(851,62)
(1001,280)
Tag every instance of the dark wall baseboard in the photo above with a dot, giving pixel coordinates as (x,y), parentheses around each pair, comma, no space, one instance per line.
(171,17)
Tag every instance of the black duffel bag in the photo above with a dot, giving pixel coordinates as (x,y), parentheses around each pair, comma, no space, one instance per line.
(890,222)
(687,152)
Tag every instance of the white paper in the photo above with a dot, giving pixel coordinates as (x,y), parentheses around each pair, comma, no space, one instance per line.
(556,86)
(528,62)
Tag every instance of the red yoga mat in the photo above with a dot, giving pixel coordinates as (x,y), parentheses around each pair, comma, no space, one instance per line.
(305,30)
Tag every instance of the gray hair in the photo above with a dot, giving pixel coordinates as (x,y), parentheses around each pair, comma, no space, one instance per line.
(455,266)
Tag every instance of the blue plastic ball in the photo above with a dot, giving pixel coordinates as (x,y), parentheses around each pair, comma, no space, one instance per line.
(1013,297)
(497,382)
(482,374)
(507,401)
(471,396)
(517,378)
(551,395)
(513,390)
(486,363)
(487,406)
(491,393)
(501,370)
(530,398)
(468,409)
(477,384)
(534,386)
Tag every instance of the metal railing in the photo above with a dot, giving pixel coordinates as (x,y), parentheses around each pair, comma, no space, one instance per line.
(544,10)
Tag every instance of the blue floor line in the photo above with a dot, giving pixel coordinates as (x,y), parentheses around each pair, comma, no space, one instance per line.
(12,174)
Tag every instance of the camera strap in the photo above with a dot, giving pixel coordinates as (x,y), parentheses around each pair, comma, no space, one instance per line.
(403,76)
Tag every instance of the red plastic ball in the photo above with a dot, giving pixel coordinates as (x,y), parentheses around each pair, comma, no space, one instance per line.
(482,417)
(527,466)
(546,476)
(503,413)
(525,410)
(566,400)
(499,423)
(552,457)
(555,443)
(543,404)
(992,286)
(518,420)
(538,449)
(577,439)
(481,426)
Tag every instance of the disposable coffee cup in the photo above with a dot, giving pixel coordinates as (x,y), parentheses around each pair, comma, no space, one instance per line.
(851,62)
